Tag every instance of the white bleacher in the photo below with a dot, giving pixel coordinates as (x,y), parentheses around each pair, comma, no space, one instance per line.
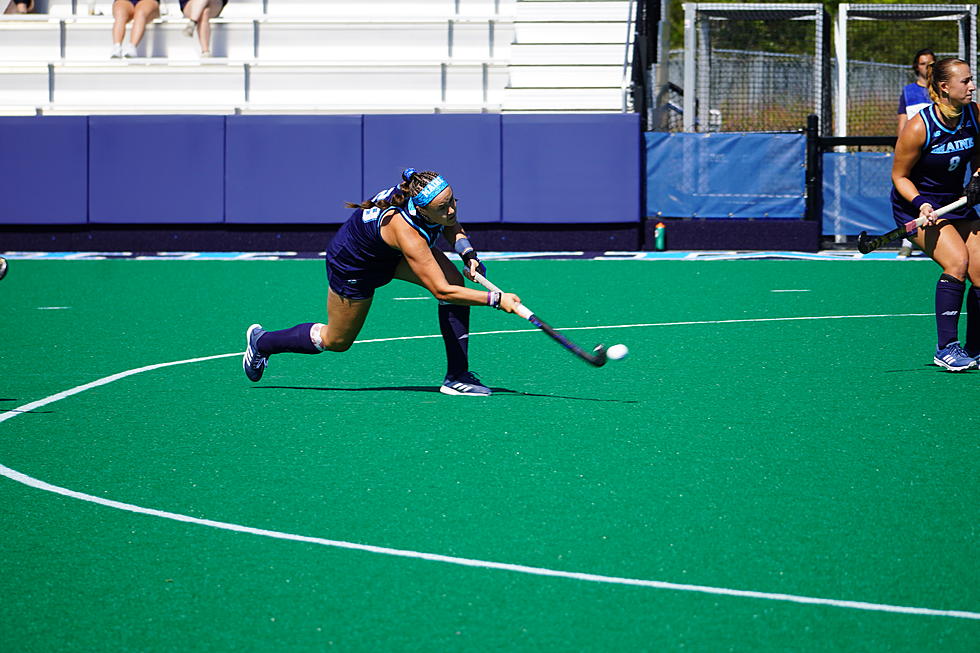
(145,86)
(57,8)
(87,39)
(349,42)
(393,11)
(569,54)
(247,9)
(325,56)
(25,87)
(30,38)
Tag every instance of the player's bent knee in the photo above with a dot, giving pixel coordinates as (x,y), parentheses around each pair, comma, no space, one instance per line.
(338,345)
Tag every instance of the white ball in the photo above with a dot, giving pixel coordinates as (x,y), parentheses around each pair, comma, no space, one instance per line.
(617,352)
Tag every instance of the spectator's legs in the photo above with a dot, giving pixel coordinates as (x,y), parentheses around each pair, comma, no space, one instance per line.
(122,13)
(20,7)
(210,10)
(146,11)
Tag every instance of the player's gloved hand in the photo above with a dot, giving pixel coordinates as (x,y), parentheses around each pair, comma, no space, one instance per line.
(471,260)
(473,264)
(972,190)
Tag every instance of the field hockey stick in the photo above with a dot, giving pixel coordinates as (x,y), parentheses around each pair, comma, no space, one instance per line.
(598,355)
(867,244)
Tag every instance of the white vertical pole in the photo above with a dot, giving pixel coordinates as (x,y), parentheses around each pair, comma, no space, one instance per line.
(840,45)
(690,74)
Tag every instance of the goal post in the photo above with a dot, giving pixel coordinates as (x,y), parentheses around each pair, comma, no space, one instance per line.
(869,84)
(755,67)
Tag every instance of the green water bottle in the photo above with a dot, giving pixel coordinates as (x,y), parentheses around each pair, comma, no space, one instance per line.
(659,237)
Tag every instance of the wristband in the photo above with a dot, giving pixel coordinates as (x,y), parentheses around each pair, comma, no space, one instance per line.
(493,299)
(463,246)
(918,201)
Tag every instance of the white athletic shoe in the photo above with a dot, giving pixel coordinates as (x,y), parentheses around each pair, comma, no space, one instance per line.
(190,27)
(466,384)
(954,358)
(116,51)
(129,51)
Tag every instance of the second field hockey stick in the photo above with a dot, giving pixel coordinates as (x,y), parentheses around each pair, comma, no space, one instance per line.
(598,355)
(868,244)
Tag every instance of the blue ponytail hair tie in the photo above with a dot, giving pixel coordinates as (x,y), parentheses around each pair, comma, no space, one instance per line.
(407,174)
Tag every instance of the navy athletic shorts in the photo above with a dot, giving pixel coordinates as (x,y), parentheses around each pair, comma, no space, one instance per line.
(358,284)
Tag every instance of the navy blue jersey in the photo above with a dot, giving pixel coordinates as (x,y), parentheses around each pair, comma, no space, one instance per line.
(940,173)
(358,258)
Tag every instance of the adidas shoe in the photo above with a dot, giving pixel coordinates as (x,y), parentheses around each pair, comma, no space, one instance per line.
(466,384)
(954,358)
(254,362)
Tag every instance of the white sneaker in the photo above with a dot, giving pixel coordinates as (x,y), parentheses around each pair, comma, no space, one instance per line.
(129,50)
(190,27)
(116,51)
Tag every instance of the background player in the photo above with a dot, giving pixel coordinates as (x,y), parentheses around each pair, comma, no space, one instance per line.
(932,156)
(392,236)
(913,99)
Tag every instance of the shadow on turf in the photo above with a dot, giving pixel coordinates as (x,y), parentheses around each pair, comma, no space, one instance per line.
(12,410)
(431,389)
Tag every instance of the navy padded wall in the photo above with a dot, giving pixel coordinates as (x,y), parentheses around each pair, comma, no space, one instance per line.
(292,169)
(156,169)
(571,169)
(45,166)
(464,148)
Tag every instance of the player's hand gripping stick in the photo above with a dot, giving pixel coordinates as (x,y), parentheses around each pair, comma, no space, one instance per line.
(868,244)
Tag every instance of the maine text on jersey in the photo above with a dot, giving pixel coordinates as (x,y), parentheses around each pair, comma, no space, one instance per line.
(953,146)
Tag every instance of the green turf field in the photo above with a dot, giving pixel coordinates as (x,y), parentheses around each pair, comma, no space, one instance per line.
(795,444)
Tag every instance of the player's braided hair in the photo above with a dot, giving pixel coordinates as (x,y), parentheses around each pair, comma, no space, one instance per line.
(939,72)
(410,186)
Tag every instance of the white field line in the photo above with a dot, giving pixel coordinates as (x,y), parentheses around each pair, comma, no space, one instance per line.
(434,557)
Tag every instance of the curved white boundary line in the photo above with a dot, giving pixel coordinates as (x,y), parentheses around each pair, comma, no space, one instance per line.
(434,557)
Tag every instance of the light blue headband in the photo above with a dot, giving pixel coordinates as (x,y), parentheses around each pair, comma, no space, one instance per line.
(433,188)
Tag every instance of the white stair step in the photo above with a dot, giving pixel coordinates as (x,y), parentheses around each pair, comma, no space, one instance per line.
(150,86)
(24,86)
(35,39)
(567,32)
(550,10)
(578,99)
(574,53)
(565,76)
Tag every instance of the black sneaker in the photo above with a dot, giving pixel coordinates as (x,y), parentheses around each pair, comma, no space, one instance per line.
(253,362)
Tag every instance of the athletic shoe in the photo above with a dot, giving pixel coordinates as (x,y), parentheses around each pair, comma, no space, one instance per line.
(116,51)
(466,384)
(254,362)
(954,358)
(3,267)
(189,28)
(129,51)
(969,353)
(905,251)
